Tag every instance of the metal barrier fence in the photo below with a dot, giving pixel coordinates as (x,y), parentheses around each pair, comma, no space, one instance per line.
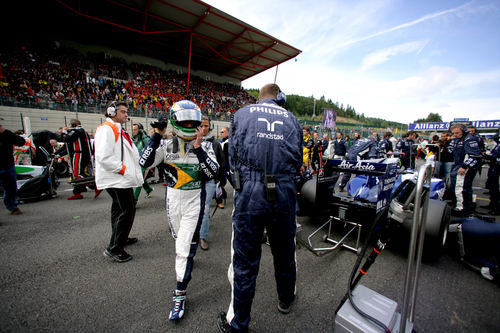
(153,112)
(95,108)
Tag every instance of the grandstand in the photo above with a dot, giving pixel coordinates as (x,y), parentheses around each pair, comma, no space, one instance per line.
(79,56)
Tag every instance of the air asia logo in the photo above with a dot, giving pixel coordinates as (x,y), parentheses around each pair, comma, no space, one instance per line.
(270,127)
(356,166)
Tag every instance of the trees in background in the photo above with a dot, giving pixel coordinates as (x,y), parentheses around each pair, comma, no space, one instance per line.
(431,118)
(303,107)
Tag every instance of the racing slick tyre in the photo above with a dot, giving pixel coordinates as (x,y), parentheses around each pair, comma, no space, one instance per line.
(61,169)
(307,198)
(436,229)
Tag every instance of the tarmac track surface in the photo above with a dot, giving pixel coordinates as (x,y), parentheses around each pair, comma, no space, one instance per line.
(54,277)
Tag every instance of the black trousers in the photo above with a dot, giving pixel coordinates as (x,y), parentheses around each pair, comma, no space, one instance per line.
(122,216)
(492,185)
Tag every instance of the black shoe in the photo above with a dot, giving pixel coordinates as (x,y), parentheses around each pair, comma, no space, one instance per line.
(222,323)
(131,241)
(121,256)
(285,307)
(457,213)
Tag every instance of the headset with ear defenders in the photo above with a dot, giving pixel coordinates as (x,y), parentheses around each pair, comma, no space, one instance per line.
(111,111)
(281,98)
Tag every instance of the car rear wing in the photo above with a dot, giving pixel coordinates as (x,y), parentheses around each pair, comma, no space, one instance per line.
(385,170)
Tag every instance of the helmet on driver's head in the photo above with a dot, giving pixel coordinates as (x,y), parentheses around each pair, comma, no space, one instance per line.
(185,116)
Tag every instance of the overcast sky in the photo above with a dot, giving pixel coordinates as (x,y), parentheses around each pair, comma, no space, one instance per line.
(391,59)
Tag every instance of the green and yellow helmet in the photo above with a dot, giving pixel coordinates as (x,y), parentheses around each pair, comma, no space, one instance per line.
(185,116)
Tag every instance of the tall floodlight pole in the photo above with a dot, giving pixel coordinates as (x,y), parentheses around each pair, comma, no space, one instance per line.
(146,116)
(189,62)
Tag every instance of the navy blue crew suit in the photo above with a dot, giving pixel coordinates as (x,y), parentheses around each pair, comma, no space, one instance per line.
(493,173)
(361,149)
(405,146)
(384,146)
(257,131)
(466,154)
(341,147)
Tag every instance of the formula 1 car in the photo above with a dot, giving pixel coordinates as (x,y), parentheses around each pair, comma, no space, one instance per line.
(401,210)
(36,182)
(378,184)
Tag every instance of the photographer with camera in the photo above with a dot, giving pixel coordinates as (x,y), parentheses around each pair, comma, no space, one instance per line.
(189,163)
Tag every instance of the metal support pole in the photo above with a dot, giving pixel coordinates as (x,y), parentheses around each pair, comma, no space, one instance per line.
(415,249)
(420,249)
(189,63)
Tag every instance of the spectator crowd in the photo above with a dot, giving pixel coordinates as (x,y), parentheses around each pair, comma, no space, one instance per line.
(58,77)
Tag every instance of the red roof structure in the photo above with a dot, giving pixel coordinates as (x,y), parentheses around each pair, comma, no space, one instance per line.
(189,33)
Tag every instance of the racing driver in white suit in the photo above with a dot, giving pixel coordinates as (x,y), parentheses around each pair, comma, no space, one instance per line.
(189,162)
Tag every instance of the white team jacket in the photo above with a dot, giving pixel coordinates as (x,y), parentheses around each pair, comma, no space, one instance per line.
(110,172)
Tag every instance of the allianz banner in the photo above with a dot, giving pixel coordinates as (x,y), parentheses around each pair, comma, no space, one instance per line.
(486,124)
(479,124)
(429,126)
